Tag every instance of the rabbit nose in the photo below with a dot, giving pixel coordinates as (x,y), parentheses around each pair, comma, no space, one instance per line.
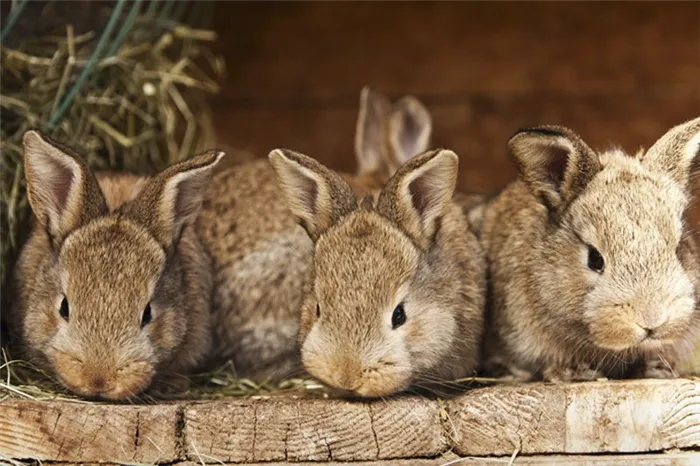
(98,383)
(349,380)
(650,331)
(345,374)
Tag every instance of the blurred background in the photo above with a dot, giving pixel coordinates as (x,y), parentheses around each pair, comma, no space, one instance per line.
(616,72)
(137,85)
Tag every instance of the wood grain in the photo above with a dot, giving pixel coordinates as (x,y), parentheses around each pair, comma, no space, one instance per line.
(313,430)
(608,417)
(616,72)
(63,431)
(476,128)
(654,459)
(625,417)
(328,50)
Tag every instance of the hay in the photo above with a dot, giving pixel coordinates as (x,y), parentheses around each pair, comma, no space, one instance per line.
(129,96)
(22,380)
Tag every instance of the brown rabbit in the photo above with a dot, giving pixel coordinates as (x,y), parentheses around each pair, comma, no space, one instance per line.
(113,287)
(395,293)
(594,272)
(261,255)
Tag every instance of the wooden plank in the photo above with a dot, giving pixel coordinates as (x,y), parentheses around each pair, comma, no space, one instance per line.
(329,49)
(63,431)
(635,416)
(654,459)
(312,430)
(598,417)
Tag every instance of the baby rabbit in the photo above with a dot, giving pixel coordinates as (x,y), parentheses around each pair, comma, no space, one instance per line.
(261,255)
(113,286)
(395,292)
(594,272)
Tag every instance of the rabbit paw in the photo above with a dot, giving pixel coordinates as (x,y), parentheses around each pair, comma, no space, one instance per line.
(579,373)
(499,367)
(170,386)
(658,369)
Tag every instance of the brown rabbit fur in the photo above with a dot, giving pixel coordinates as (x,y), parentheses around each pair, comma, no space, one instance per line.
(593,271)
(113,286)
(261,255)
(395,294)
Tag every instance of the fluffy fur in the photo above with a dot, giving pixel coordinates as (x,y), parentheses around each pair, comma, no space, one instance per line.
(552,316)
(102,250)
(412,247)
(261,256)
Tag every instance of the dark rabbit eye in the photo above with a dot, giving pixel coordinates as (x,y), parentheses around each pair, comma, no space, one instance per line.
(146,318)
(318,311)
(595,260)
(64,311)
(398,318)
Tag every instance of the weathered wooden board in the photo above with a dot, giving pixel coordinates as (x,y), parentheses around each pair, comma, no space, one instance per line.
(327,49)
(661,459)
(607,417)
(313,430)
(653,459)
(600,417)
(63,431)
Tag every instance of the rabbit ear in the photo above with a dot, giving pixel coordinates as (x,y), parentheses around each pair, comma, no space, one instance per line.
(419,194)
(555,163)
(172,199)
(62,191)
(370,133)
(410,126)
(317,196)
(677,153)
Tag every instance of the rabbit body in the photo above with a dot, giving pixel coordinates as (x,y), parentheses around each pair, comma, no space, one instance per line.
(593,271)
(396,289)
(261,256)
(112,287)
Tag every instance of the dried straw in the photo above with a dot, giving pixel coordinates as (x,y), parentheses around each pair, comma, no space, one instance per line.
(132,98)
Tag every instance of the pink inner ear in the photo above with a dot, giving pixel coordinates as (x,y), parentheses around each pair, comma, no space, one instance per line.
(60,184)
(419,194)
(309,194)
(409,135)
(557,163)
(187,197)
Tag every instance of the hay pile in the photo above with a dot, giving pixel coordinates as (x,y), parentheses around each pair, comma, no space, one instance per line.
(124,82)
(21,380)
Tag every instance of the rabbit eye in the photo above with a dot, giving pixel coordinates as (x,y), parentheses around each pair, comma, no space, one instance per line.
(146,318)
(318,311)
(65,310)
(595,260)
(398,318)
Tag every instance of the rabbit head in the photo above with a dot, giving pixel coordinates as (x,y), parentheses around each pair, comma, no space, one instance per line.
(611,263)
(105,302)
(379,308)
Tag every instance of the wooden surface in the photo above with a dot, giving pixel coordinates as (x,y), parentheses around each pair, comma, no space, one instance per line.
(616,72)
(629,417)
(656,459)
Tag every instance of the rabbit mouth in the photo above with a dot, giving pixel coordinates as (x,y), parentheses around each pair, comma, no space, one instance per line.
(636,339)
(363,384)
(99,382)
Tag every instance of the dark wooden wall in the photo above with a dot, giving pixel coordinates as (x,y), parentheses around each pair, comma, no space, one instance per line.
(618,73)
